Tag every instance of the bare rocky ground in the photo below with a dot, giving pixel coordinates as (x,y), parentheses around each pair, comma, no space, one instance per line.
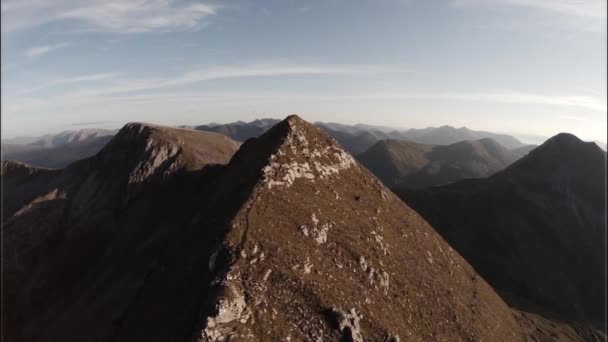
(166,236)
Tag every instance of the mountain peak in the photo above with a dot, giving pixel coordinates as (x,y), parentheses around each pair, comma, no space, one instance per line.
(298,150)
(566,146)
(320,242)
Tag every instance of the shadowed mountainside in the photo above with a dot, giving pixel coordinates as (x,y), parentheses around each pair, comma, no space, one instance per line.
(535,230)
(402,164)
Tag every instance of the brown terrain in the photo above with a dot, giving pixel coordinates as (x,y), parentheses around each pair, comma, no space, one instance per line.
(404,164)
(165,235)
(535,231)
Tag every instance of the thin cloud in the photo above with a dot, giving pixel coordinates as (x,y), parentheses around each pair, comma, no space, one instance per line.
(230,72)
(587,8)
(58,81)
(274,70)
(588,102)
(136,16)
(36,51)
(585,16)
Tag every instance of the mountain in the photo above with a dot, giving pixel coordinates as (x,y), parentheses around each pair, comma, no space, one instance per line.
(403,164)
(82,240)
(536,230)
(356,139)
(69,137)
(59,150)
(524,150)
(54,157)
(446,135)
(240,131)
(157,238)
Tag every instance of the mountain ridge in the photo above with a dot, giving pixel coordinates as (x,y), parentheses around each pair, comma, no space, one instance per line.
(223,260)
(546,212)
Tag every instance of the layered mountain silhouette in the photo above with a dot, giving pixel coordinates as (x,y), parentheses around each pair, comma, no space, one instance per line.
(403,164)
(356,139)
(535,231)
(159,237)
(57,151)
(446,135)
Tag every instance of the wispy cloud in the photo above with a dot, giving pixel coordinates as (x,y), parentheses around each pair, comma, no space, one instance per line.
(584,15)
(268,70)
(66,80)
(595,103)
(126,85)
(36,51)
(135,16)
(113,86)
(584,8)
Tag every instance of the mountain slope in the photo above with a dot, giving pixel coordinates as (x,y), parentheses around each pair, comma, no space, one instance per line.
(290,240)
(535,230)
(75,252)
(315,243)
(524,150)
(402,164)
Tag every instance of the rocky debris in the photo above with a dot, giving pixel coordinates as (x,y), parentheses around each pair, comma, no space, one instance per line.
(231,308)
(349,324)
(318,161)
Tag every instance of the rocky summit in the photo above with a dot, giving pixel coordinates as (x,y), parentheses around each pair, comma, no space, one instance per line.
(321,250)
(169,235)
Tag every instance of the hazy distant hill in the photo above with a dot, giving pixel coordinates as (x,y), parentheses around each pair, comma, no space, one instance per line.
(402,164)
(54,157)
(240,131)
(358,138)
(56,150)
(524,150)
(446,135)
(535,230)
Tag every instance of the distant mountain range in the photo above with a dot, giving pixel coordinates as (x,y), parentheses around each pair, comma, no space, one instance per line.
(56,151)
(358,138)
(403,164)
(536,230)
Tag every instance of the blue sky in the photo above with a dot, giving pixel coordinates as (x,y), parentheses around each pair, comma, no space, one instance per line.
(520,66)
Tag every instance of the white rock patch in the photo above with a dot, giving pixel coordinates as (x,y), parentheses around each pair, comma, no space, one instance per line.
(320,163)
(231,308)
